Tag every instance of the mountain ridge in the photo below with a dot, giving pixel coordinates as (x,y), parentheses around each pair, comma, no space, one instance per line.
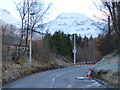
(7,18)
(74,23)
(67,22)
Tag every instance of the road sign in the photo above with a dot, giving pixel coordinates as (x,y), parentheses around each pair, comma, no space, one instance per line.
(74,50)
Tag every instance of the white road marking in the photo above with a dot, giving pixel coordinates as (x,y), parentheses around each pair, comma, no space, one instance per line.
(88,85)
(83,78)
(94,84)
(61,74)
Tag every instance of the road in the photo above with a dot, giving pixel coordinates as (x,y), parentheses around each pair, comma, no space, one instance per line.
(59,78)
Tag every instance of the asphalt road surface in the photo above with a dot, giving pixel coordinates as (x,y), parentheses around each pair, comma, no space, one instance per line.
(59,78)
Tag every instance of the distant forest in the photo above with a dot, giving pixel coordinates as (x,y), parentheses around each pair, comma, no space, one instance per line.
(88,49)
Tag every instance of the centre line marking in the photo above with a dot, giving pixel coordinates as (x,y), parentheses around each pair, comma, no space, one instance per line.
(61,74)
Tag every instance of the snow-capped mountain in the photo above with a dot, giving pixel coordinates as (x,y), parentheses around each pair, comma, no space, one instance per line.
(69,23)
(7,18)
(12,25)
(74,23)
(8,22)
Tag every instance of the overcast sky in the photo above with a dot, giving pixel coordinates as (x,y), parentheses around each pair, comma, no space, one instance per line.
(81,6)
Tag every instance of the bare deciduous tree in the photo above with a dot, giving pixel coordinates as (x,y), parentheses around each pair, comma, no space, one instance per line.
(88,53)
(113,7)
(31,13)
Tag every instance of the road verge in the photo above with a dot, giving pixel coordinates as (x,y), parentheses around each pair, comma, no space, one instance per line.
(14,71)
(107,70)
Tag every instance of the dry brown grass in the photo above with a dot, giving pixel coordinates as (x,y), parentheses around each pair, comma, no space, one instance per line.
(22,68)
(112,79)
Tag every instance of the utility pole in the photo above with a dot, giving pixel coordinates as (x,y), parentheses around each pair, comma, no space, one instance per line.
(109,25)
(29,21)
(30,43)
(30,38)
(74,50)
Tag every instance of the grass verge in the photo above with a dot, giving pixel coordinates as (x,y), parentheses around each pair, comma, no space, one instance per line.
(14,71)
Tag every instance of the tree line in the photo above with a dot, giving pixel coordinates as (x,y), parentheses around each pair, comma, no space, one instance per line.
(61,44)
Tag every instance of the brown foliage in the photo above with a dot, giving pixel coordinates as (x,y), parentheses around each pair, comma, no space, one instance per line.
(88,53)
(41,51)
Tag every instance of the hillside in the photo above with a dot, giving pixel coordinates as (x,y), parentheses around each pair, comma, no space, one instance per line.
(107,69)
(68,22)
(8,23)
(12,26)
(74,23)
(7,18)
